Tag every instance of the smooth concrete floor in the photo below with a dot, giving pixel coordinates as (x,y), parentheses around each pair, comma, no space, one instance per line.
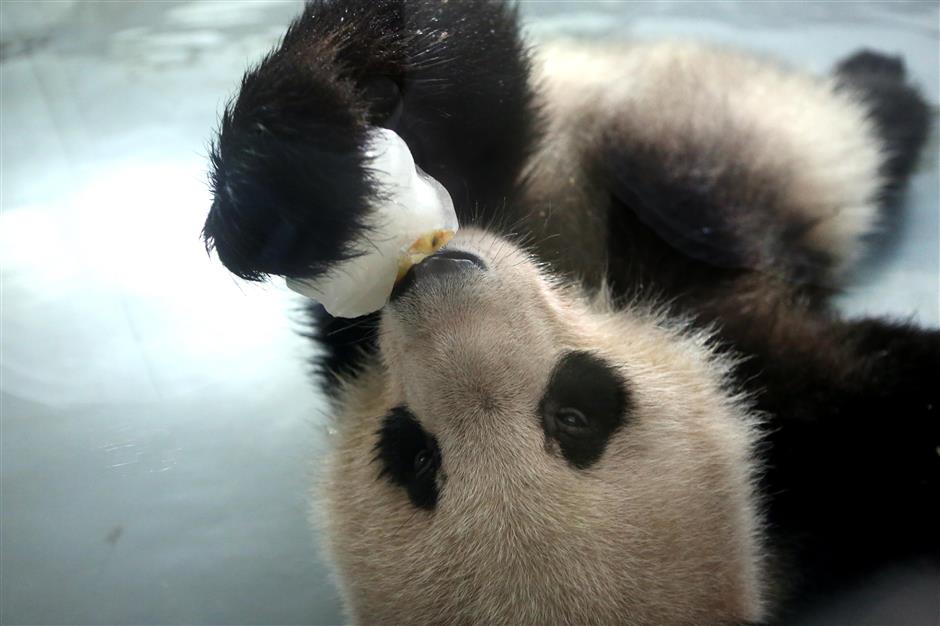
(159,436)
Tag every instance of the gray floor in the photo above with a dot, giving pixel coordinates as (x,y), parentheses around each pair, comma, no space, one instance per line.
(158,433)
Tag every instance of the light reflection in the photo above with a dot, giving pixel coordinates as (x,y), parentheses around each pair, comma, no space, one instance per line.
(115,272)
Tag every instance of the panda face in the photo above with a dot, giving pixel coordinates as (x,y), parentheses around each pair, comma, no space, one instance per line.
(521,453)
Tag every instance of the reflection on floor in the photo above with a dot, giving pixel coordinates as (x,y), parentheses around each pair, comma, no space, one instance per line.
(158,434)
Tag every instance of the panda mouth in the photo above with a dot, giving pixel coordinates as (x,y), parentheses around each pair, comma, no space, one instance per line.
(443,265)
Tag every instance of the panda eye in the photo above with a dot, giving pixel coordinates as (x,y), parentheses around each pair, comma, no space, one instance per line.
(409,457)
(423,462)
(585,403)
(572,419)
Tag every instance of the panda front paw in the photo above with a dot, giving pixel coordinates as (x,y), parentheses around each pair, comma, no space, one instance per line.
(288,166)
(292,186)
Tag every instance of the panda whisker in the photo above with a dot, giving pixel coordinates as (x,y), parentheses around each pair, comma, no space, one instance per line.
(356,324)
(408,522)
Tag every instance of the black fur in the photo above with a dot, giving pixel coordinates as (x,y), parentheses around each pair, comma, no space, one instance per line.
(288,172)
(851,444)
(585,402)
(289,177)
(290,182)
(345,345)
(732,217)
(851,448)
(671,227)
(901,116)
(409,456)
(851,439)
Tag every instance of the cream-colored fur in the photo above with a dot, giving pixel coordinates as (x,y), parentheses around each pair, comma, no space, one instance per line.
(664,527)
(660,530)
(723,111)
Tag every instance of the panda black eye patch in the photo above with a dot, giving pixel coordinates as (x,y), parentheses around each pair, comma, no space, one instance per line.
(409,456)
(585,402)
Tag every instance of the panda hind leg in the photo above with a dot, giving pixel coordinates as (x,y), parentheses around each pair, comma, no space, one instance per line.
(899,112)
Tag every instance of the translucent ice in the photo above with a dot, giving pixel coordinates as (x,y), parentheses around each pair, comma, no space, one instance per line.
(412,217)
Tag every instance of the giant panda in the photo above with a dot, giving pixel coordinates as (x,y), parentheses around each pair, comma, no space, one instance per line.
(620,393)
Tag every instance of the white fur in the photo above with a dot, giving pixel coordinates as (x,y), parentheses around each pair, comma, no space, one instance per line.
(814,143)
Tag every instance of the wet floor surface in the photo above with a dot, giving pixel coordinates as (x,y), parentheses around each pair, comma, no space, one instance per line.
(159,435)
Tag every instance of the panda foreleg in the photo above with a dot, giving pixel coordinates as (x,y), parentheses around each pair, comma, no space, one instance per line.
(289,169)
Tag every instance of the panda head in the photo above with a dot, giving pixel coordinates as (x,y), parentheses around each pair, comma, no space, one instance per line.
(518,452)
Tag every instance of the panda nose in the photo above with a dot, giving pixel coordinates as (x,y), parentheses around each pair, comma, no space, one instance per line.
(448,262)
(441,264)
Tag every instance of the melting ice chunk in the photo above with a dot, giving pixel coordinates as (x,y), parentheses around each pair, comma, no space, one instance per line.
(413,218)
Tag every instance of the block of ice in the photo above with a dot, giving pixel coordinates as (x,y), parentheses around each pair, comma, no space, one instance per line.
(412,218)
